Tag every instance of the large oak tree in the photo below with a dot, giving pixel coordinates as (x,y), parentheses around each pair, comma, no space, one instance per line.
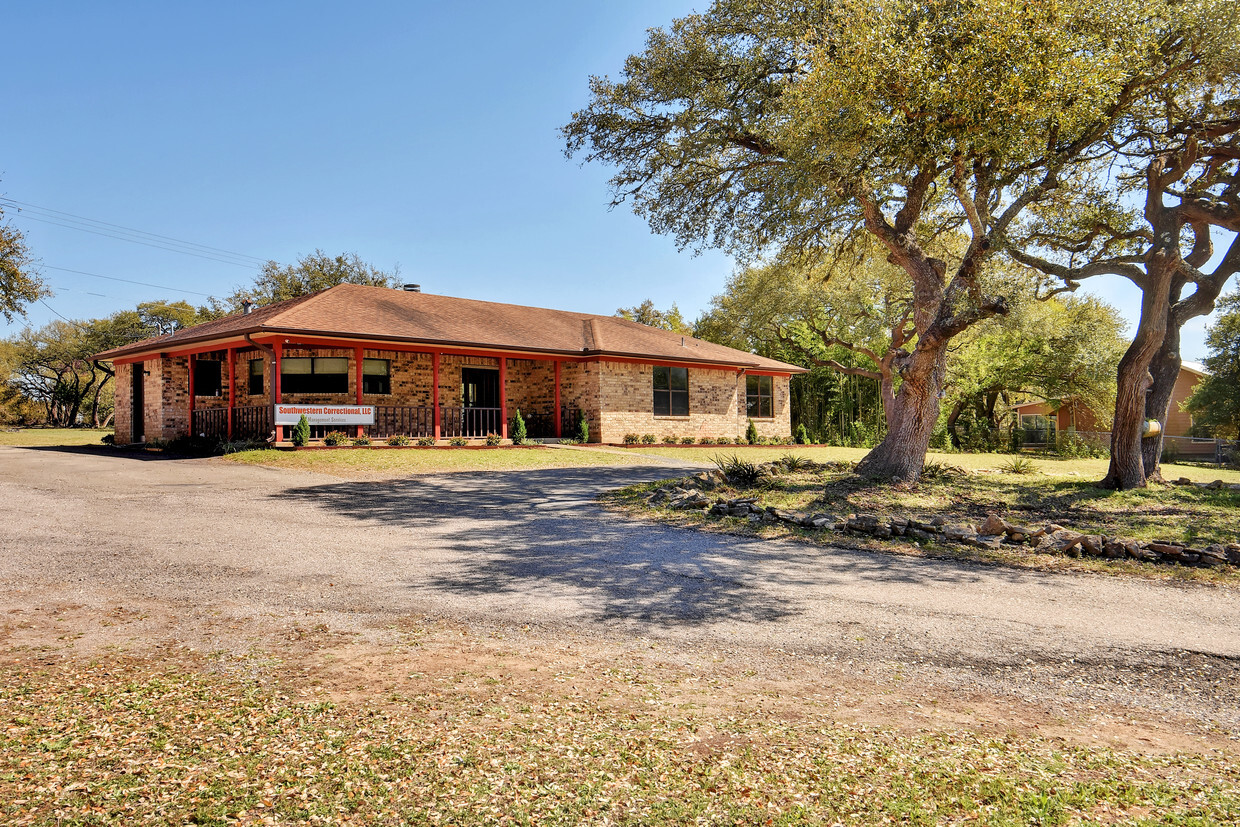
(1164,188)
(771,125)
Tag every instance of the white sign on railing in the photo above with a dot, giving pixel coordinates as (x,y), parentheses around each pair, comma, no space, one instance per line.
(326,414)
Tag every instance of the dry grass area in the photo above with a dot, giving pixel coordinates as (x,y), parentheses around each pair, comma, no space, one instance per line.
(439,724)
(1188,514)
(392,462)
(1088,470)
(50,437)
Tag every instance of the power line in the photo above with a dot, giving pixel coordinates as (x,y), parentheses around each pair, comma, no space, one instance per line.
(70,321)
(60,218)
(136,241)
(126,281)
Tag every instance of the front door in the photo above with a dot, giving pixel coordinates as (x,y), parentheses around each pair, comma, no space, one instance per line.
(137,380)
(480,387)
(480,399)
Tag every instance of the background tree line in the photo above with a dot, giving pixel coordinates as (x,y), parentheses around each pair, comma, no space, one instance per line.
(51,379)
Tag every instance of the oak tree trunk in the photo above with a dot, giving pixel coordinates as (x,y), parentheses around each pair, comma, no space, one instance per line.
(1127,468)
(901,454)
(1165,369)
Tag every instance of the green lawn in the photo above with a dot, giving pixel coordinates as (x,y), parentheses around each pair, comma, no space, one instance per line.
(45,437)
(1087,469)
(120,743)
(347,462)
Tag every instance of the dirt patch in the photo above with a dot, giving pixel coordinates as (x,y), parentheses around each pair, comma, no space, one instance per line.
(419,658)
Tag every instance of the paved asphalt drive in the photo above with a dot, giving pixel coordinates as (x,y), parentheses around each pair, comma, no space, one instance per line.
(533,547)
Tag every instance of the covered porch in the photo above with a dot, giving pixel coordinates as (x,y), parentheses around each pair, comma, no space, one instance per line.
(423,393)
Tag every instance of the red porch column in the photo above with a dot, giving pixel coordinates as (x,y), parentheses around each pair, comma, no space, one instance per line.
(357,370)
(191,394)
(503,396)
(232,387)
(559,424)
(435,391)
(275,390)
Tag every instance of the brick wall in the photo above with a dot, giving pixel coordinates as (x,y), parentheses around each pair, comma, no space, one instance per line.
(716,404)
(579,387)
(169,407)
(617,397)
(122,422)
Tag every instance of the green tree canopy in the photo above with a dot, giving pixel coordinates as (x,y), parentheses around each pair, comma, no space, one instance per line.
(1215,402)
(765,126)
(646,313)
(316,271)
(19,285)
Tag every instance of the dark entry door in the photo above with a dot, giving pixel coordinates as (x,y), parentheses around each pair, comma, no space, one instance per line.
(480,388)
(480,402)
(137,381)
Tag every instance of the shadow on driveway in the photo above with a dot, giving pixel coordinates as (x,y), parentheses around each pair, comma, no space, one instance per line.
(541,532)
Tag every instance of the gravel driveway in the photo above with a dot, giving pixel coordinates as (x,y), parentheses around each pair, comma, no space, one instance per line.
(533,548)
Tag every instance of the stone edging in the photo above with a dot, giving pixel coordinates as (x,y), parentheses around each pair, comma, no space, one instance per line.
(994,533)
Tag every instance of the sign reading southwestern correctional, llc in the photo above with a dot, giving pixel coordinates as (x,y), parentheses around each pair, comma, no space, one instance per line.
(326,414)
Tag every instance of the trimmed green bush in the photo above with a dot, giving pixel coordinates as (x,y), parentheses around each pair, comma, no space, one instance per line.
(336,438)
(397,440)
(648,439)
(583,428)
(802,435)
(362,441)
(458,441)
(493,439)
(519,433)
(301,431)
(426,441)
(631,439)
(751,433)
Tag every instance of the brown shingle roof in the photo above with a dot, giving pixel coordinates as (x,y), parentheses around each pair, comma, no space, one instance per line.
(357,312)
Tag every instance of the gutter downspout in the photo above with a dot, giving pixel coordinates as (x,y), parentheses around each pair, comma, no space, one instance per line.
(271,392)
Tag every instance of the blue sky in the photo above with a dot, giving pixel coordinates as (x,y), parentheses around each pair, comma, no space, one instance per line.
(419,135)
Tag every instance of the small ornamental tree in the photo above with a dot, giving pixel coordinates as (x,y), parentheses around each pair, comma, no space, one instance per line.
(301,431)
(583,428)
(802,435)
(751,433)
(519,432)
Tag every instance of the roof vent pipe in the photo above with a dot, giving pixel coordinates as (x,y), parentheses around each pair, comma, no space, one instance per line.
(413,288)
(247,306)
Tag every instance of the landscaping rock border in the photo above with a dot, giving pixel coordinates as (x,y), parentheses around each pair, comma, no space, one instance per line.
(993,533)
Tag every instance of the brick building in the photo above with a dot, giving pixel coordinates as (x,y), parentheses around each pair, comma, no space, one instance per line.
(406,362)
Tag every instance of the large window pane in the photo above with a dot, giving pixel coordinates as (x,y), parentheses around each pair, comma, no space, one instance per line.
(759,399)
(376,376)
(208,379)
(671,391)
(333,365)
(296,366)
(256,377)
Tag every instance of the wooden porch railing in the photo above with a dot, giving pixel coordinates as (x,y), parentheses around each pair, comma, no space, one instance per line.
(249,422)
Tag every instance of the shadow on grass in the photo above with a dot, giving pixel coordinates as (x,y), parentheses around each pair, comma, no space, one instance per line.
(541,533)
